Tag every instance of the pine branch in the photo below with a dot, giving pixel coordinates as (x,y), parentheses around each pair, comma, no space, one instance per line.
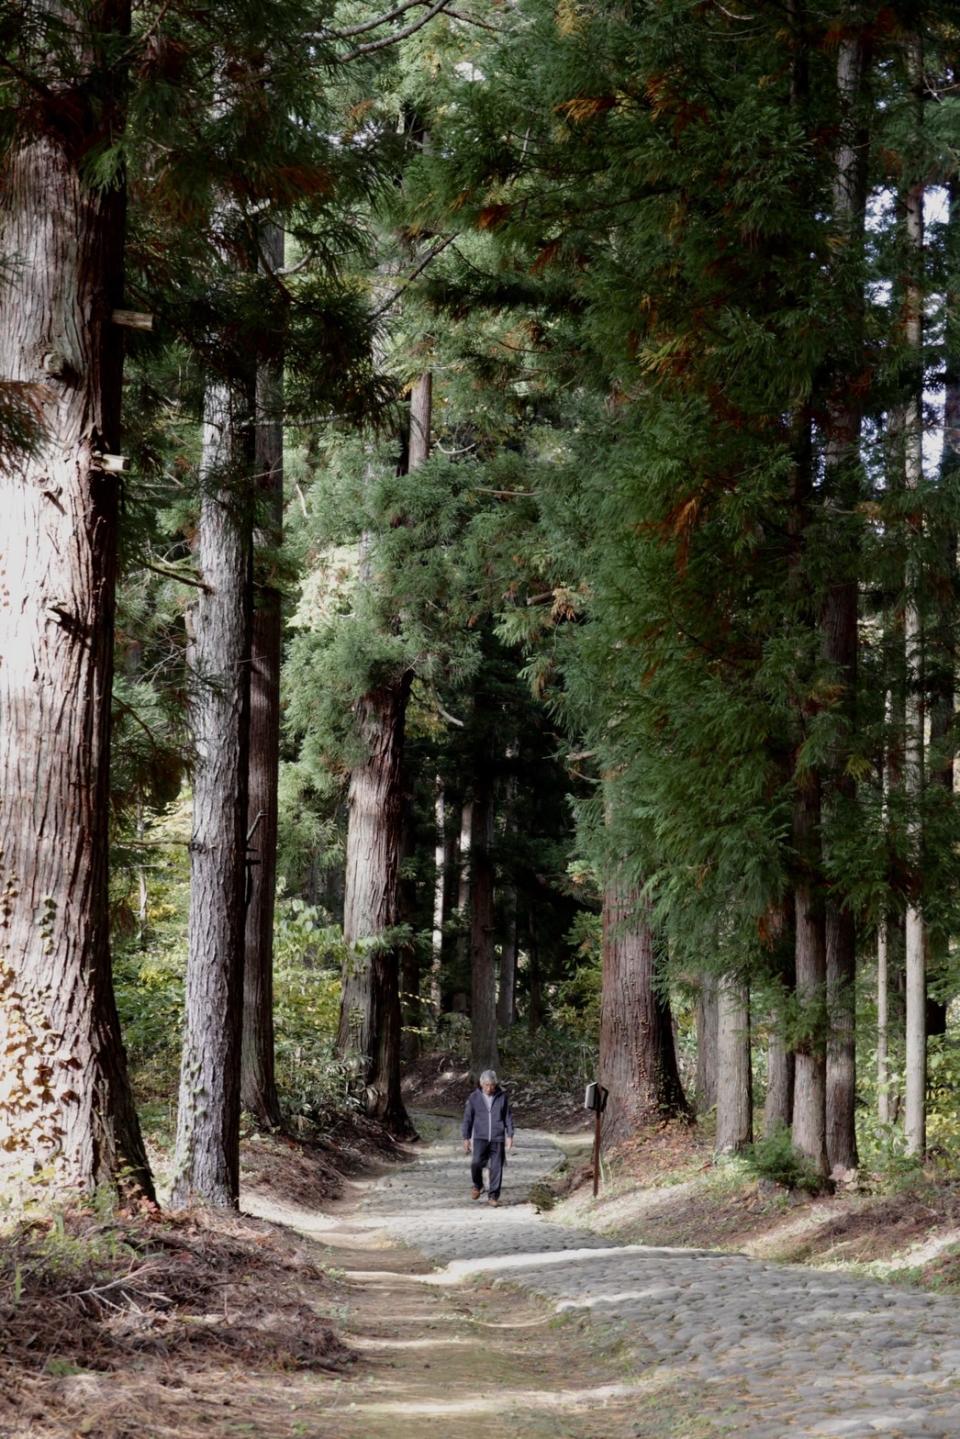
(178,575)
(397,36)
(370,24)
(418,269)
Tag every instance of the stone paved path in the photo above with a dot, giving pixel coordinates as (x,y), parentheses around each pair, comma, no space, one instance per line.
(772,1351)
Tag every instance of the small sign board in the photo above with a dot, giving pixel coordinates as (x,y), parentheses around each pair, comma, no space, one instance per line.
(595,1098)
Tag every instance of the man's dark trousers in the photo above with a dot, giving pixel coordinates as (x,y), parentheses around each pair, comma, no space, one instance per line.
(491,1154)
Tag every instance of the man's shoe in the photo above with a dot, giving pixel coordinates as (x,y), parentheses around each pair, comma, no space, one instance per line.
(494,1202)
(475,1193)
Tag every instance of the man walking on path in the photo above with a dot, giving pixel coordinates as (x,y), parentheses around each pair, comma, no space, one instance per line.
(487,1128)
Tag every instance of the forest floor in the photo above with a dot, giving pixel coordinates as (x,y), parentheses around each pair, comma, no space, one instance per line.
(389,1306)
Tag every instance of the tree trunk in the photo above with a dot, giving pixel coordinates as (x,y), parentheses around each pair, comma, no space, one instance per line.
(638,1062)
(370,1009)
(734,1081)
(258,1088)
(841,1076)
(916,979)
(809,1099)
(411,1007)
(507,992)
(483,968)
(459,1001)
(207,1159)
(781,1071)
(781,1061)
(706,1021)
(535,1001)
(842,491)
(67,1106)
(439,899)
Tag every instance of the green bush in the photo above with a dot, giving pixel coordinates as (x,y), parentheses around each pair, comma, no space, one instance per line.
(774,1158)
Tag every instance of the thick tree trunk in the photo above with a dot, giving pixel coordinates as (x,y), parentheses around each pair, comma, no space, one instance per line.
(66,1106)
(370,1009)
(707,1019)
(638,1062)
(809,1100)
(207,1159)
(734,1081)
(483,967)
(258,1088)
(916,978)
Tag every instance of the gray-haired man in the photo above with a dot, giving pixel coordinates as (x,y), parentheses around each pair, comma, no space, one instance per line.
(487,1128)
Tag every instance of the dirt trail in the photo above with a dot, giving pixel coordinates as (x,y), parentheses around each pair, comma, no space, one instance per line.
(436,1359)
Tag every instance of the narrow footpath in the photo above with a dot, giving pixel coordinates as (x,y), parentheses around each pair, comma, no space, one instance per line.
(629,1340)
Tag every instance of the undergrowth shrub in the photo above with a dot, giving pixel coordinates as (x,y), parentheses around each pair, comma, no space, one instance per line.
(774,1158)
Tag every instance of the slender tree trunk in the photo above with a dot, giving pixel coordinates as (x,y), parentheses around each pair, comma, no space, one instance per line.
(483,969)
(707,1019)
(439,899)
(638,1062)
(809,1100)
(459,1001)
(916,1064)
(258,1088)
(207,1159)
(66,1106)
(370,1009)
(535,1000)
(734,1074)
(411,1007)
(842,491)
(781,1061)
(883,1021)
(507,993)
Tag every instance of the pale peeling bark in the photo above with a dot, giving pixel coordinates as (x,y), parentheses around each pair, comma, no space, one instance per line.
(59,1030)
(638,1062)
(258,1088)
(734,1083)
(370,1008)
(483,969)
(207,1160)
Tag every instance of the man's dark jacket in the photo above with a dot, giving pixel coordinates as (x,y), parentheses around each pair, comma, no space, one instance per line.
(478,1125)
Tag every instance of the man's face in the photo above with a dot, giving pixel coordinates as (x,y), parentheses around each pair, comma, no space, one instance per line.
(488,1086)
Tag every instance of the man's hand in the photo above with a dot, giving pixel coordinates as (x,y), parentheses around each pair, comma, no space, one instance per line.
(466,1146)
(510,1142)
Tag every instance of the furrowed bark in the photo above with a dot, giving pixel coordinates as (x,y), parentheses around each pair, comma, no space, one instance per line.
(258,1086)
(58,1021)
(638,1062)
(370,1009)
(207,1159)
(734,1081)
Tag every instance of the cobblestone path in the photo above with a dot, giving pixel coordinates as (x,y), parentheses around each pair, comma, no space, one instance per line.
(766,1351)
